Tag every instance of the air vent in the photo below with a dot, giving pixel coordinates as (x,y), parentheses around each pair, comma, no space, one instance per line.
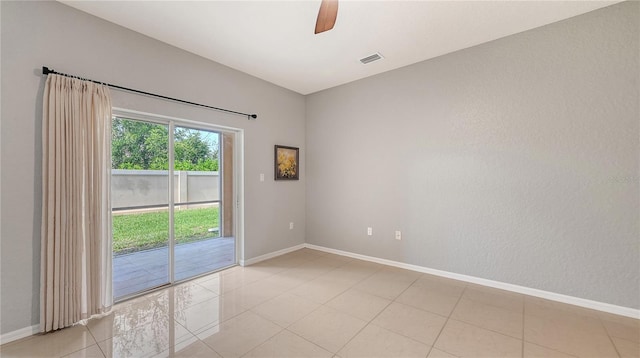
(375,57)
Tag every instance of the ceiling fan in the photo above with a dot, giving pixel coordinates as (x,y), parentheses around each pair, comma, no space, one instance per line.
(327,15)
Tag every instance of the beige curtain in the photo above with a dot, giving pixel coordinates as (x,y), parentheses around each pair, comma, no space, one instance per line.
(76,208)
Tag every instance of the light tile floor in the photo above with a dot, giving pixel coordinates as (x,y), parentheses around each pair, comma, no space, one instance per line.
(312,304)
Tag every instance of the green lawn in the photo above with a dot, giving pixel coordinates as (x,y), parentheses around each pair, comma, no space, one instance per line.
(135,232)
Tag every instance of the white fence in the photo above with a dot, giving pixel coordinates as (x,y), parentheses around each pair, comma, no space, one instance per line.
(150,187)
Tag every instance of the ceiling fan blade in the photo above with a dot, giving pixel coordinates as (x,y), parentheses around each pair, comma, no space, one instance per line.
(327,16)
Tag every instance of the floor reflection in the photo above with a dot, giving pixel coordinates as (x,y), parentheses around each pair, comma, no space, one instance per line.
(149,326)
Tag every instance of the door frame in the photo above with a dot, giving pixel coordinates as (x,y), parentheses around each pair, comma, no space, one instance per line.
(238,176)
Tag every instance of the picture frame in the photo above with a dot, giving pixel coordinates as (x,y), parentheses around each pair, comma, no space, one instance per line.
(286,163)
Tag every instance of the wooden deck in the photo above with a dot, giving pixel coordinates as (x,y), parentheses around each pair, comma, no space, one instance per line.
(139,271)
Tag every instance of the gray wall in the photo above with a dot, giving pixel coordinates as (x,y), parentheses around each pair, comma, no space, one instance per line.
(515,161)
(51,34)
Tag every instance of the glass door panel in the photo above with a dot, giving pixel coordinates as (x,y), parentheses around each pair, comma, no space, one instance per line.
(199,247)
(140,206)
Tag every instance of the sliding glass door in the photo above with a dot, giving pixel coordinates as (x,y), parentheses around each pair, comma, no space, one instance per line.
(140,206)
(169,193)
(197,210)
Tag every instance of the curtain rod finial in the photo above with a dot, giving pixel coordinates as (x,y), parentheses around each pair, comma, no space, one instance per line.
(252,116)
(46,70)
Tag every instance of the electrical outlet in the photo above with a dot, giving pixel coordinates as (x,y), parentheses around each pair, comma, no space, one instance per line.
(370,231)
(398,235)
(291,225)
(261,177)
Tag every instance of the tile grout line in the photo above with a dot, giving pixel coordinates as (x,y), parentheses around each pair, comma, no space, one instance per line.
(566,352)
(86,326)
(376,316)
(205,343)
(220,323)
(266,340)
(615,348)
(358,332)
(288,291)
(306,340)
(475,324)
(481,327)
(333,297)
(83,348)
(523,321)
(324,305)
(447,321)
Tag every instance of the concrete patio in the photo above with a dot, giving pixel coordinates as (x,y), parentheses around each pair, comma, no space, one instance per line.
(142,270)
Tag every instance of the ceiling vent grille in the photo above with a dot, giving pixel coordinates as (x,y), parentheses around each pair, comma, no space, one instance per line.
(371,58)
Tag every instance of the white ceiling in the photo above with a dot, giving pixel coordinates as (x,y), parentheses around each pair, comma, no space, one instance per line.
(274,40)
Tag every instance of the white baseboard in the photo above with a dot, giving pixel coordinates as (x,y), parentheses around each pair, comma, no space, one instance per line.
(271,255)
(600,306)
(18,334)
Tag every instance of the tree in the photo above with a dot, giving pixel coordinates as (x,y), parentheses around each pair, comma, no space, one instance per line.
(142,145)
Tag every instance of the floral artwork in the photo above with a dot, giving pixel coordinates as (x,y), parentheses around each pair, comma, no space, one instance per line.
(286,163)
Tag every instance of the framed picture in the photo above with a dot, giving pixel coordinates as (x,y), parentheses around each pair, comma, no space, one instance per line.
(286,162)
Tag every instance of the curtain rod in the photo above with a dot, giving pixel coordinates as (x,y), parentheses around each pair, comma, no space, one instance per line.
(47,70)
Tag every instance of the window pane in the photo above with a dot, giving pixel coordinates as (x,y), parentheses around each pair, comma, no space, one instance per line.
(139,199)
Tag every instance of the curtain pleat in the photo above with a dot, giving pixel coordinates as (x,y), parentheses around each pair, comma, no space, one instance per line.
(76,208)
